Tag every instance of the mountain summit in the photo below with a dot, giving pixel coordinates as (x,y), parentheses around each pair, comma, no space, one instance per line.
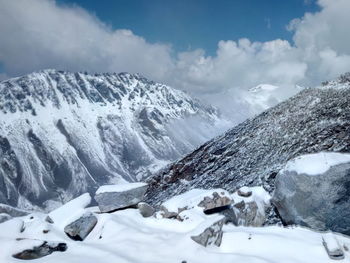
(64,133)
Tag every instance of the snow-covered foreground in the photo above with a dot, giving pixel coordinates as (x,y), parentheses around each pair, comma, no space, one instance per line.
(125,236)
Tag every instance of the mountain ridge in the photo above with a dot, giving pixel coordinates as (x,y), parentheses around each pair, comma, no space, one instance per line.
(64,133)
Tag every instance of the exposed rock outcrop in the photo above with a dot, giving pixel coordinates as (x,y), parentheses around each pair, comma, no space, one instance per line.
(113,197)
(314,191)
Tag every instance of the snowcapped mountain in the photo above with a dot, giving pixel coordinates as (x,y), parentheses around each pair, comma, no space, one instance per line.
(65,133)
(316,119)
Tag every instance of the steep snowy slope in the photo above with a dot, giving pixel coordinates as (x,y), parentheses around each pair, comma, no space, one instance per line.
(253,152)
(64,133)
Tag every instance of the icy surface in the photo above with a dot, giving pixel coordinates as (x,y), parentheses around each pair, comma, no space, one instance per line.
(126,237)
(317,163)
(119,187)
(252,153)
(63,133)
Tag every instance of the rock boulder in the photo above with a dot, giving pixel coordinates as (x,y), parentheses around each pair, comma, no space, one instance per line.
(46,248)
(209,232)
(145,209)
(114,197)
(314,191)
(80,228)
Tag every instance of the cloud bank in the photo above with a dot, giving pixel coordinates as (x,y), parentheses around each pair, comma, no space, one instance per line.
(38,34)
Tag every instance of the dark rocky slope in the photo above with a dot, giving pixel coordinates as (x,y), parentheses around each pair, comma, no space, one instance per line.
(316,119)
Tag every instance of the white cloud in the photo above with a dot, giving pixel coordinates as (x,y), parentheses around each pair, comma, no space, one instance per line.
(41,34)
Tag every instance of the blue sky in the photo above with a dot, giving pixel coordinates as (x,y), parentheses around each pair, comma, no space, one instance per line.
(213,49)
(191,24)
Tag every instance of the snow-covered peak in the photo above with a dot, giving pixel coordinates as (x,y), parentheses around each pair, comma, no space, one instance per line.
(343,81)
(132,92)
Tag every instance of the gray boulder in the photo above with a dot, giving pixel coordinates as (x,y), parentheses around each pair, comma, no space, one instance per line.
(210,232)
(319,200)
(80,228)
(145,209)
(244,192)
(332,247)
(248,214)
(45,249)
(114,197)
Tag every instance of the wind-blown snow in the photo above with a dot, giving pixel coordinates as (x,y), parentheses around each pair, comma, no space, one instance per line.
(316,163)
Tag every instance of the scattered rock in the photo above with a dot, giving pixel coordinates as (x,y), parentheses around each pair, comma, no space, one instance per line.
(171,214)
(114,197)
(210,232)
(244,192)
(49,220)
(145,209)
(80,228)
(332,247)
(319,200)
(46,248)
(248,214)
(214,202)
(22,226)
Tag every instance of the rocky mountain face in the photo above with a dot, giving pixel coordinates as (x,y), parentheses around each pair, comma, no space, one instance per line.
(65,133)
(252,153)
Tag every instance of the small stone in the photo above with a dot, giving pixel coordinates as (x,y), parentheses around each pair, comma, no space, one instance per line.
(145,209)
(167,214)
(49,220)
(244,192)
(80,228)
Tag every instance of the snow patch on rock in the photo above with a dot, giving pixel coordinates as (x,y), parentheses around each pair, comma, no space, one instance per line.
(316,163)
